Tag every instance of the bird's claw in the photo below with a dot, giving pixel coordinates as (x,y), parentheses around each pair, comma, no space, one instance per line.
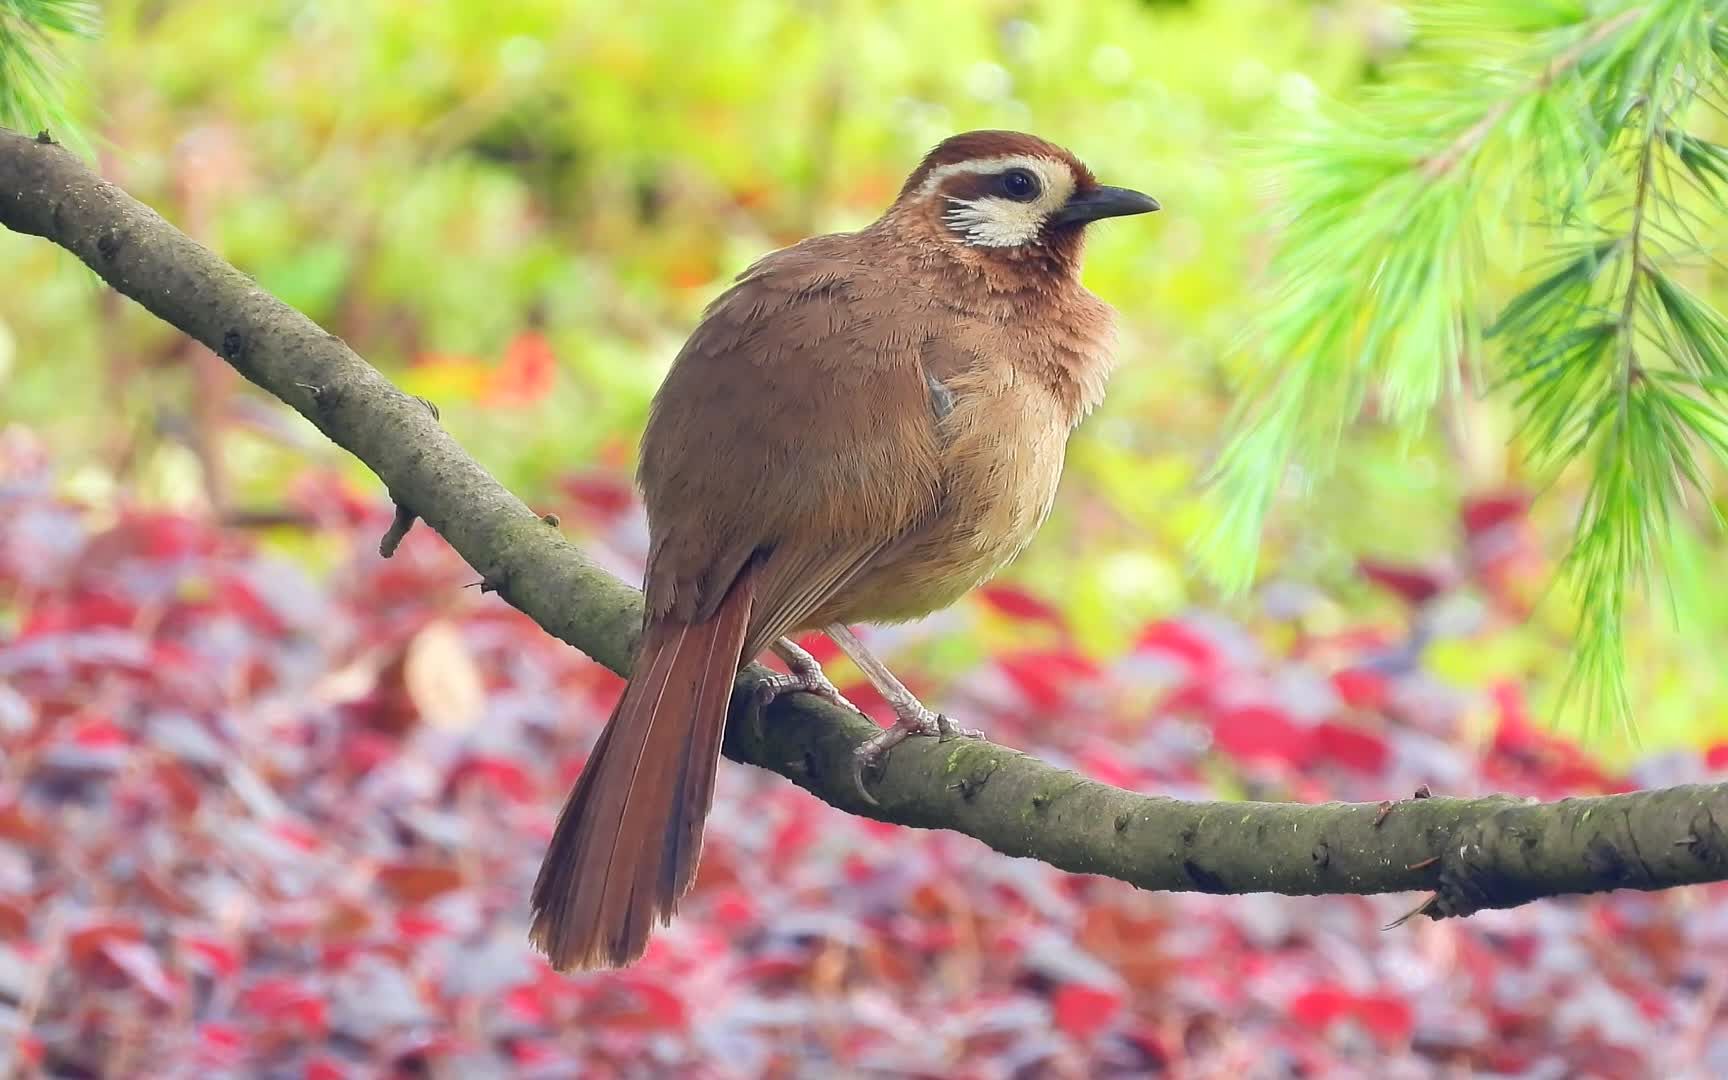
(804,675)
(946,729)
(873,752)
(798,682)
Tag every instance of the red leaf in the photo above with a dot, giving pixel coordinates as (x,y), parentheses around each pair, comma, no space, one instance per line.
(1350,746)
(660,1007)
(1182,642)
(323,1068)
(1717,757)
(363,750)
(1102,762)
(287,1002)
(1046,677)
(96,734)
(1480,513)
(819,646)
(1514,731)
(527,1004)
(85,945)
(21,827)
(220,1042)
(166,535)
(15,912)
(79,611)
(1085,1011)
(604,492)
(504,776)
(857,869)
(328,496)
(1264,733)
(220,958)
(770,968)
(526,374)
(1318,1007)
(1388,1017)
(793,836)
(536,1053)
(234,596)
(733,911)
(300,836)
(1018,603)
(1361,688)
(1416,585)
(177,781)
(417,926)
(418,882)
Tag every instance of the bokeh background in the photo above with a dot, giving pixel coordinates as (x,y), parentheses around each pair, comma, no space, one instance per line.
(270,805)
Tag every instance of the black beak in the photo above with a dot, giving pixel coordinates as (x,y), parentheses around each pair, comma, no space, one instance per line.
(1102,202)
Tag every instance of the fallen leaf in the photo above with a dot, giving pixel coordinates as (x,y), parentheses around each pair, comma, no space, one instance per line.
(442,679)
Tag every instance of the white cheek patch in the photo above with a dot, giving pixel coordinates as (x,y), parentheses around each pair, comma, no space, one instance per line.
(994,221)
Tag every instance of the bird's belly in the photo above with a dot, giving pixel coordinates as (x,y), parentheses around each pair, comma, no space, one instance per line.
(1000,471)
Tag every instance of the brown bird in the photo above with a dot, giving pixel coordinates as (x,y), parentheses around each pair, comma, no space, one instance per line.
(864,427)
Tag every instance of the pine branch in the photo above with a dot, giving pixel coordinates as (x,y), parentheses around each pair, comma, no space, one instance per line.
(1472,138)
(32,85)
(1463,854)
(1353,318)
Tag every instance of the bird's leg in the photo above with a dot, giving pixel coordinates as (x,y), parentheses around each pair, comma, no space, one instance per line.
(910,715)
(805,675)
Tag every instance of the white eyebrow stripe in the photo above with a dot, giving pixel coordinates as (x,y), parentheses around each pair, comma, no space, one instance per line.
(1040,166)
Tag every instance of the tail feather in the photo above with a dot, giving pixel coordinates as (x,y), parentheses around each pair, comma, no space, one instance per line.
(627,843)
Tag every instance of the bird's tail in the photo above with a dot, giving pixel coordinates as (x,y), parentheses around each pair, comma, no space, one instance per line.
(627,842)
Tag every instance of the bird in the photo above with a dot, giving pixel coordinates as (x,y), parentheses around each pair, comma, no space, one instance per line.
(863,428)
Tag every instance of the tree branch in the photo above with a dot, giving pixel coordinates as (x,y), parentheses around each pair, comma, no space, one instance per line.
(1468,854)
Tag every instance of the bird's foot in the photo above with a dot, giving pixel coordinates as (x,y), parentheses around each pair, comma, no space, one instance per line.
(804,675)
(910,718)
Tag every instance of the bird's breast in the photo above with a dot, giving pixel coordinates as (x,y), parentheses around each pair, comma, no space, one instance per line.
(1002,438)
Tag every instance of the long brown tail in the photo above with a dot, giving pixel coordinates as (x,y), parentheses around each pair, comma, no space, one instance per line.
(626,845)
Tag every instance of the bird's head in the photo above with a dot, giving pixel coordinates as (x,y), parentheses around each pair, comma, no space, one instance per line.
(1002,197)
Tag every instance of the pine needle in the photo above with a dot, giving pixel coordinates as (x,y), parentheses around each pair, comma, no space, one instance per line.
(32,70)
(1613,364)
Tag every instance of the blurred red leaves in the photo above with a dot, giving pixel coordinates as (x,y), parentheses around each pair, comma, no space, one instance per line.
(1262,733)
(1084,1012)
(286,826)
(524,375)
(1415,585)
(1361,688)
(1388,1017)
(1016,603)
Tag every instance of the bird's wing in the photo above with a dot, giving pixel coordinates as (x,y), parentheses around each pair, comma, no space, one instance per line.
(797,430)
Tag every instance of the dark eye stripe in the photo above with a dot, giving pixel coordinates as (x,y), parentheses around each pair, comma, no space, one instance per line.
(969,186)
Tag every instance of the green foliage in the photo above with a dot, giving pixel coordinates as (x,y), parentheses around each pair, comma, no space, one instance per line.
(32,94)
(444,185)
(428,180)
(1579,128)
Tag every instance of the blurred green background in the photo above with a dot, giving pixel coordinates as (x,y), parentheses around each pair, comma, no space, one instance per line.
(520,210)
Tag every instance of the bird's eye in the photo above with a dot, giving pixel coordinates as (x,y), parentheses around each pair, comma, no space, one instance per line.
(1020,185)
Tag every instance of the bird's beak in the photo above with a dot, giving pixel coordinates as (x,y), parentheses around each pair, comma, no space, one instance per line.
(1102,202)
